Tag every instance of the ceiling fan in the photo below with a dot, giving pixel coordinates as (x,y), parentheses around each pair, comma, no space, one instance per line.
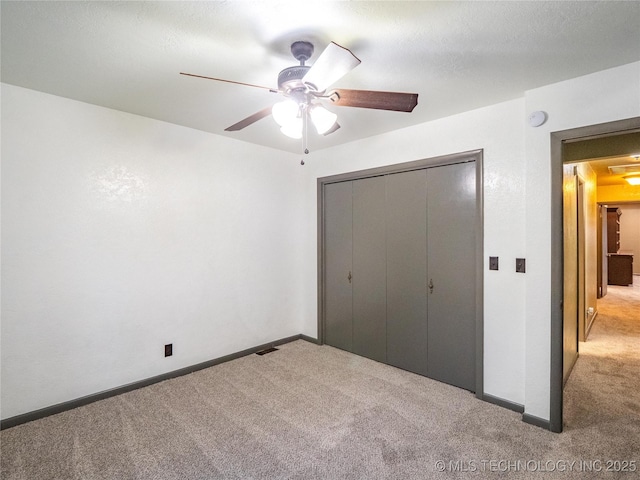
(305,88)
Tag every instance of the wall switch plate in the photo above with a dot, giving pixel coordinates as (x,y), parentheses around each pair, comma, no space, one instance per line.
(520,265)
(168,350)
(493,263)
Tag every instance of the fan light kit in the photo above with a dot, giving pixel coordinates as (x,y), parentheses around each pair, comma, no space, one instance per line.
(290,115)
(305,88)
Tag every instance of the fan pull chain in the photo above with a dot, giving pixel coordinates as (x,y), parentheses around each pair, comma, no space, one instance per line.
(305,124)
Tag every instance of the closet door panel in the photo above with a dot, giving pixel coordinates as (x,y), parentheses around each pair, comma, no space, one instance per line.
(369,268)
(451,269)
(338,267)
(406,271)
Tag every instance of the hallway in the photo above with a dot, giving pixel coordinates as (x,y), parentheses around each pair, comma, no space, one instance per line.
(603,391)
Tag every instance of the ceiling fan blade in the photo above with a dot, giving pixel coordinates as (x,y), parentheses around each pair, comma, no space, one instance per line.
(249,120)
(396,101)
(332,64)
(229,81)
(335,127)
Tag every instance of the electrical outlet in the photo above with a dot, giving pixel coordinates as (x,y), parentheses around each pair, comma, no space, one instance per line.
(520,265)
(168,349)
(493,263)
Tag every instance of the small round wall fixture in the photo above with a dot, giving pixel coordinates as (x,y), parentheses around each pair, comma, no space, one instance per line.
(537,118)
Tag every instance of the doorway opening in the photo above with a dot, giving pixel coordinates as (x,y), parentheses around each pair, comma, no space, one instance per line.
(574,251)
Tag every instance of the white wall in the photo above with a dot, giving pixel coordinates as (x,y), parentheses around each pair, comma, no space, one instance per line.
(499,131)
(517,218)
(598,98)
(121,234)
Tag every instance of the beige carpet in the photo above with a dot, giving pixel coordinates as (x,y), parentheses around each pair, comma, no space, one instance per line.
(602,395)
(310,412)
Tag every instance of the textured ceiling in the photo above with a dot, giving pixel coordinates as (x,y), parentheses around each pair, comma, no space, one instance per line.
(456,55)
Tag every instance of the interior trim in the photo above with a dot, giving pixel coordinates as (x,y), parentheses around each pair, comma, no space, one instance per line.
(590,324)
(501,402)
(309,339)
(537,421)
(79,402)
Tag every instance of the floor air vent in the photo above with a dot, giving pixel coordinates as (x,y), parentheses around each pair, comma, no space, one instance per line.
(266,350)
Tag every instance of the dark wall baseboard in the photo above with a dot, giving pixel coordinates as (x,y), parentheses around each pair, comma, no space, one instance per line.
(501,402)
(537,421)
(79,402)
(309,339)
(588,329)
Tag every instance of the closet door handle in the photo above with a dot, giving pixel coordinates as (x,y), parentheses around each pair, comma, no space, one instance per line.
(349,277)
(430,285)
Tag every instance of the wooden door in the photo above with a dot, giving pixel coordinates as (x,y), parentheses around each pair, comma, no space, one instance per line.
(369,269)
(407,270)
(451,273)
(338,246)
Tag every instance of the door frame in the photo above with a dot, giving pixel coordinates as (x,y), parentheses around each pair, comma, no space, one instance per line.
(574,288)
(582,262)
(462,157)
(558,158)
(571,270)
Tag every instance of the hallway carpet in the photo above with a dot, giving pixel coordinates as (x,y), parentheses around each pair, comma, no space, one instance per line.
(602,395)
(316,412)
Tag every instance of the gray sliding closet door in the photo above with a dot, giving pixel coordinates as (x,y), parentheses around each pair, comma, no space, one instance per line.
(338,268)
(407,270)
(451,267)
(369,269)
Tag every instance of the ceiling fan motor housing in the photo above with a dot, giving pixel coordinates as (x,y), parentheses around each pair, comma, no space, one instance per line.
(302,51)
(290,79)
